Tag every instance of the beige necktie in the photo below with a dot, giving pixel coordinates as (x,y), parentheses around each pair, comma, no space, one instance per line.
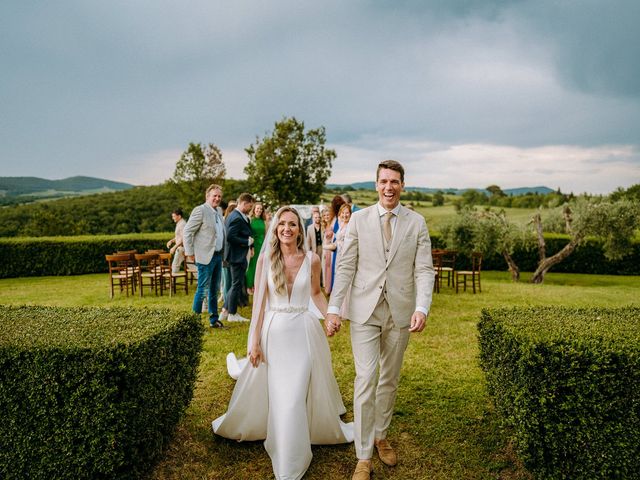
(386,227)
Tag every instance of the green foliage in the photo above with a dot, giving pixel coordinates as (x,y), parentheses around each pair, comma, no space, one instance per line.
(438,199)
(483,231)
(199,166)
(140,209)
(566,382)
(289,166)
(24,257)
(600,227)
(631,193)
(91,392)
(614,222)
(497,198)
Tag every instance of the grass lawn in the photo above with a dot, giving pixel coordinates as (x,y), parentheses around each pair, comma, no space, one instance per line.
(444,426)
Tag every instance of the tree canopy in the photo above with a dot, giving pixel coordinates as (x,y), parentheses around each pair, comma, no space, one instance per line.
(289,165)
(198,167)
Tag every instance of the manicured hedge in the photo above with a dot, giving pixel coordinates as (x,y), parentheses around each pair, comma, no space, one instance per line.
(36,256)
(566,383)
(92,392)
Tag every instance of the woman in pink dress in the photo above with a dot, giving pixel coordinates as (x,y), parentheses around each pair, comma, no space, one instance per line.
(328,246)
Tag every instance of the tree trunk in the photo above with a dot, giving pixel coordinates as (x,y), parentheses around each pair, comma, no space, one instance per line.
(546,263)
(542,248)
(513,268)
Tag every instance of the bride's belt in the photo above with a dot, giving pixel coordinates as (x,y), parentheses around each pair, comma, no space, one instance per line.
(288,309)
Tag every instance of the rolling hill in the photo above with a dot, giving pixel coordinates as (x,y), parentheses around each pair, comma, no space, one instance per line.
(28,189)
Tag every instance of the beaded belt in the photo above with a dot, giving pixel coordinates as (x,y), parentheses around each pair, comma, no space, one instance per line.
(288,309)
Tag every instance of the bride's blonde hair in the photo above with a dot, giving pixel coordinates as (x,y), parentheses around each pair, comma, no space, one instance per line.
(277,262)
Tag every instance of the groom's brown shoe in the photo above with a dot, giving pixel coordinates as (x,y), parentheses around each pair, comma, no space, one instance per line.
(386,453)
(363,470)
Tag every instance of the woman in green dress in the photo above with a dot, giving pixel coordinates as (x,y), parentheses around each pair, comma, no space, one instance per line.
(258,227)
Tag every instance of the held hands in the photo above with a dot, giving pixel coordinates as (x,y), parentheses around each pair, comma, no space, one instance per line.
(418,322)
(256,357)
(332,324)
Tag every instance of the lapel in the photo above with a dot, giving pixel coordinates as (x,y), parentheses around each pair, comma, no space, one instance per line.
(402,223)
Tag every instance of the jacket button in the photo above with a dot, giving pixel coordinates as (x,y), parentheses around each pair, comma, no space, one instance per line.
(380,287)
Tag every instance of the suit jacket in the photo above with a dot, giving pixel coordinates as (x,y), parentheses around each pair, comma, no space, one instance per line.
(407,274)
(238,231)
(199,236)
(310,239)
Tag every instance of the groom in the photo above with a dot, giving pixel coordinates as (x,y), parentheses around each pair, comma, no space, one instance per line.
(387,270)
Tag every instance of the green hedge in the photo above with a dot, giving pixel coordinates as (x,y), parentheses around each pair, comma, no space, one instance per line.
(36,256)
(566,383)
(92,392)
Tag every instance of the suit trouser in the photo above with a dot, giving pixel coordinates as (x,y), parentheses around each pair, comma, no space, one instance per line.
(378,346)
(237,295)
(178,258)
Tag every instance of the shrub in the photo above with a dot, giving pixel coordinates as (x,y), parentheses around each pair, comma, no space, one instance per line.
(92,392)
(566,382)
(35,256)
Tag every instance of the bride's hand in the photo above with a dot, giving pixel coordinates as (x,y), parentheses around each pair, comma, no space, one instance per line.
(256,356)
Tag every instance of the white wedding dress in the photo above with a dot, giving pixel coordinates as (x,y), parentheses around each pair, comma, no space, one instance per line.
(292,400)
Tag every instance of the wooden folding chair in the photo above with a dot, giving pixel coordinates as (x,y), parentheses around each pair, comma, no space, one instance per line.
(149,272)
(473,274)
(447,267)
(120,273)
(170,279)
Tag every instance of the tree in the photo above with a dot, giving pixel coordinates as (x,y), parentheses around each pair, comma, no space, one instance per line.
(615,222)
(486,232)
(289,166)
(438,199)
(197,168)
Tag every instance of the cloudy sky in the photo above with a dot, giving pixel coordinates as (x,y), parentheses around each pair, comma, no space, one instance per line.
(465,93)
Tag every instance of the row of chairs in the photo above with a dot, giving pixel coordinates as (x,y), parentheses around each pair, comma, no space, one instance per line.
(444,263)
(131,271)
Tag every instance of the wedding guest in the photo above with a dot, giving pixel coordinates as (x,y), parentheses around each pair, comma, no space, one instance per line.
(177,250)
(258,226)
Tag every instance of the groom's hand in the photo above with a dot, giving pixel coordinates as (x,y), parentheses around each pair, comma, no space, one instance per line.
(332,324)
(418,321)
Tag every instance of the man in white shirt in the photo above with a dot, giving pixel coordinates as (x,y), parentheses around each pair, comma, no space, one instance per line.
(177,250)
(387,270)
(204,241)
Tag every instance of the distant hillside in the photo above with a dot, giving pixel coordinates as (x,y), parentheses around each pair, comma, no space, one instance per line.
(452,191)
(28,189)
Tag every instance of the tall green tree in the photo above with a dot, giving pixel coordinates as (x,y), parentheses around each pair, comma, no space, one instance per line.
(199,166)
(289,165)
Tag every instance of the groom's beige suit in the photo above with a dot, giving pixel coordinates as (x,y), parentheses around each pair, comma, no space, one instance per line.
(386,283)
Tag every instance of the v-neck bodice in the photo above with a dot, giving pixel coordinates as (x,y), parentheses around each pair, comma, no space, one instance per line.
(298,299)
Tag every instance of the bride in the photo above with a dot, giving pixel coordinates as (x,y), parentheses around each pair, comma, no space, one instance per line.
(286,392)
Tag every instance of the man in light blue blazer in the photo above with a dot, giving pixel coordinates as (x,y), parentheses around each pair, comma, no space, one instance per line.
(203,240)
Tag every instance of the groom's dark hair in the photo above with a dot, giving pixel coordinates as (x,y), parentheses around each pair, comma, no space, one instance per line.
(391,165)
